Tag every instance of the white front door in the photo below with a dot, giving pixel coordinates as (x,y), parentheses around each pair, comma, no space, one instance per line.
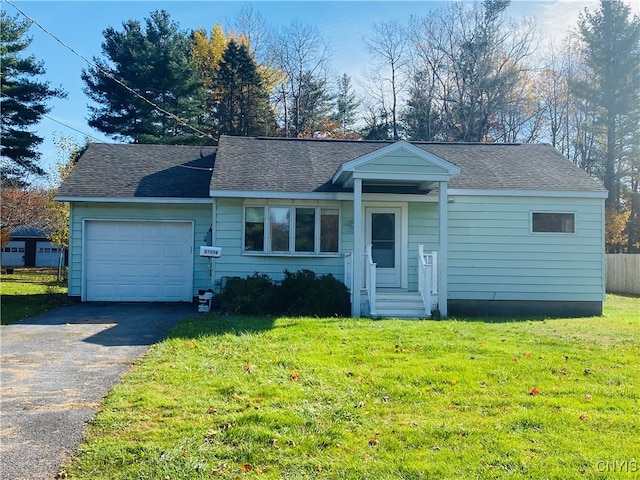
(384,234)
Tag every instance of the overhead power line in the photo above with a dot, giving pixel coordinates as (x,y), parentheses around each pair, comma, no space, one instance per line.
(110,76)
(53,119)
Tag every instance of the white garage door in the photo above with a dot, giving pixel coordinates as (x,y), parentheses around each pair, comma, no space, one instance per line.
(47,254)
(13,254)
(138,261)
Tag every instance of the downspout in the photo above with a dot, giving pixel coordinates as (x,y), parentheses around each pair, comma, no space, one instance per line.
(213,242)
(443,256)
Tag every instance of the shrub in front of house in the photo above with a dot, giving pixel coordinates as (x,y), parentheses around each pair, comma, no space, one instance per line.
(302,293)
(253,295)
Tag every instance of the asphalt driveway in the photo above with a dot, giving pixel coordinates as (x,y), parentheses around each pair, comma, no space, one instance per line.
(56,368)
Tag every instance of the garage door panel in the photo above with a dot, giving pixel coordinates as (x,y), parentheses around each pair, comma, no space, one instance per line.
(139,261)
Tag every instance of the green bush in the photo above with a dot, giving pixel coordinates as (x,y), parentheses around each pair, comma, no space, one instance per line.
(302,293)
(253,295)
(305,294)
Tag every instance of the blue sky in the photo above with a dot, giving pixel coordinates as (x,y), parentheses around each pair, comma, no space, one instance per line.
(79,24)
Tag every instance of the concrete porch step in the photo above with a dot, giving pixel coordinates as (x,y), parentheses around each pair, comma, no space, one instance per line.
(402,304)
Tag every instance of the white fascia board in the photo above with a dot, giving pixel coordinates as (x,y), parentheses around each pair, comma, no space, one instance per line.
(525,193)
(287,195)
(336,176)
(340,196)
(132,200)
(403,176)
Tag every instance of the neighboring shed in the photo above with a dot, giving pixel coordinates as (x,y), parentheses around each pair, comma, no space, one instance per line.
(31,247)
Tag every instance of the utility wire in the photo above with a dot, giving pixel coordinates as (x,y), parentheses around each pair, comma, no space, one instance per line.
(109,75)
(189,167)
(51,118)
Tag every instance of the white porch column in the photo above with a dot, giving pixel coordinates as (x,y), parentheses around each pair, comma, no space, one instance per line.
(357,246)
(443,208)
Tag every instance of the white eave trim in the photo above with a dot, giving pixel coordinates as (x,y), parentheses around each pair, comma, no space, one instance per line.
(524,193)
(403,177)
(279,195)
(339,196)
(167,200)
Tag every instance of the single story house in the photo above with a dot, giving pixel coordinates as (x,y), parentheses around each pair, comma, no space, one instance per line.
(31,247)
(411,228)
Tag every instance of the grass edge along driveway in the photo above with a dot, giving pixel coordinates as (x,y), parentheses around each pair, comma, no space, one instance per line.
(227,397)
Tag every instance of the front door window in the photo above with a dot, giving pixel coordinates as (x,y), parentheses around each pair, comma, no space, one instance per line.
(383,242)
(383,234)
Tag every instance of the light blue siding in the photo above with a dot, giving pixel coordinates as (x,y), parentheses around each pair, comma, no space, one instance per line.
(423,230)
(199,214)
(493,254)
(401,161)
(235,263)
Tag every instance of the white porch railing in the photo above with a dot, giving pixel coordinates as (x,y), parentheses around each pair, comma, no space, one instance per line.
(370,280)
(427,276)
(348,272)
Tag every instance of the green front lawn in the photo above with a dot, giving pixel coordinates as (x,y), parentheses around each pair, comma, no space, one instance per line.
(28,292)
(228,397)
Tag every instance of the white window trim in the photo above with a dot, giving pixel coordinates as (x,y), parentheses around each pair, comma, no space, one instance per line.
(563,212)
(292,205)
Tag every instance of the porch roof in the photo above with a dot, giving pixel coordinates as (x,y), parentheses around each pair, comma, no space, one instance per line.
(399,163)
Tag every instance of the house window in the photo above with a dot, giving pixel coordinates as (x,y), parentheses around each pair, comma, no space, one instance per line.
(279,227)
(254,229)
(291,230)
(329,227)
(305,229)
(543,222)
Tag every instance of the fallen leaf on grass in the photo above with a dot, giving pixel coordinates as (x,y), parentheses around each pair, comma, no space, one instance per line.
(249,368)
(295,376)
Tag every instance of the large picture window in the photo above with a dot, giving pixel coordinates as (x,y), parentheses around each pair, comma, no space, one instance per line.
(292,230)
(544,222)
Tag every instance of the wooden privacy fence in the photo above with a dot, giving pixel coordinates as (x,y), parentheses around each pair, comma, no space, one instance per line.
(623,273)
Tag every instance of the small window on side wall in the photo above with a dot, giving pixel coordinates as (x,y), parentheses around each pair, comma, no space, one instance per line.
(545,222)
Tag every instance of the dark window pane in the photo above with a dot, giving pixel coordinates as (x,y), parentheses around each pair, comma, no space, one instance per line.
(305,229)
(383,243)
(279,223)
(254,229)
(329,227)
(553,222)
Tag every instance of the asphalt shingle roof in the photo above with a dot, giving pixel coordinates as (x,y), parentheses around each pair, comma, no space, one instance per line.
(302,165)
(139,171)
(254,164)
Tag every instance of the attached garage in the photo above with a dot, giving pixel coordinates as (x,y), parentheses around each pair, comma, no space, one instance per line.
(138,261)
